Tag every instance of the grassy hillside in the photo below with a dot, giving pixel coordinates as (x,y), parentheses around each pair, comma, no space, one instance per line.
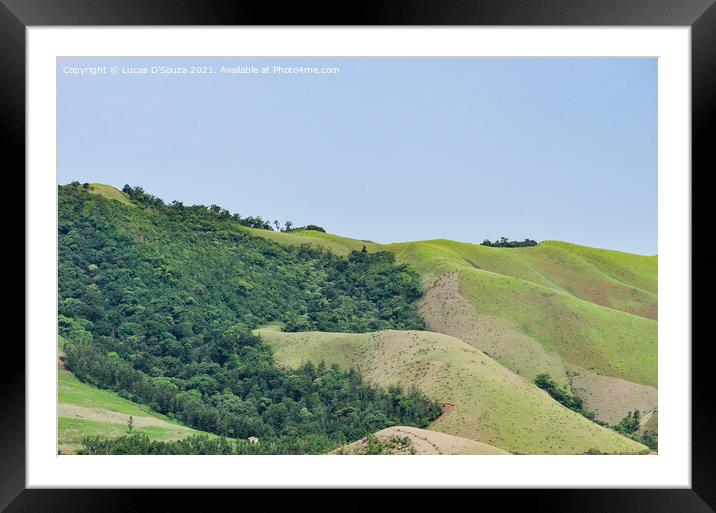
(617,280)
(620,281)
(650,422)
(334,243)
(84,410)
(109,192)
(607,278)
(587,316)
(491,404)
(545,322)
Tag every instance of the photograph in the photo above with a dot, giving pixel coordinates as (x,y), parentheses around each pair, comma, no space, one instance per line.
(262,245)
(357,255)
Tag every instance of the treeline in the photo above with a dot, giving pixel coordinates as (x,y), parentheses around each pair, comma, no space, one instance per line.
(310,227)
(138,195)
(504,242)
(140,443)
(564,396)
(249,396)
(628,426)
(158,302)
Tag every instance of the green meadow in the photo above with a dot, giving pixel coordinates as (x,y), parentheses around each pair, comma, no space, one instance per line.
(88,411)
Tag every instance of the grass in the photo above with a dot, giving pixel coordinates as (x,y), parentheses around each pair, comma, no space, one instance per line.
(651,423)
(73,391)
(334,243)
(72,431)
(617,280)
(110,192)
(590,336)
(611,279)
(492,405)
(89,411)
(594,309)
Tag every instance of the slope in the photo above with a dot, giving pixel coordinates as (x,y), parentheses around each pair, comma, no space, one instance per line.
(587,316)
(109,192)
(618,280)
(492,405)
(411,440)
(84,410)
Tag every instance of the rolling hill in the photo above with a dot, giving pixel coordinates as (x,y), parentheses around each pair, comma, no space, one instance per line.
(490,403)
(587,316)
(497,318)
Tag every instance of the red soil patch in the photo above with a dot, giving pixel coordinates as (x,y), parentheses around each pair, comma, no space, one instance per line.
(60,361)
(446,408)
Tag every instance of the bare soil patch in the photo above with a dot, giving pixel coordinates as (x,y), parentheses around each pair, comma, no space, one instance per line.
(612,398)
(446,311)
(423,441)
(446,408)
(73,411)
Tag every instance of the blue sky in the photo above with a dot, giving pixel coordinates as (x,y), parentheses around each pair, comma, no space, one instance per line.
(388,149)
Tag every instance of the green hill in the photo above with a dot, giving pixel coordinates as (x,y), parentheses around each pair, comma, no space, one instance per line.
(490,404)
(617,280)
(109,192)
(587,316)
(159,301)
(531,309)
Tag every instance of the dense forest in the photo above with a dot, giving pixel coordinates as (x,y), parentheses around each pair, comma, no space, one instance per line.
(157,302)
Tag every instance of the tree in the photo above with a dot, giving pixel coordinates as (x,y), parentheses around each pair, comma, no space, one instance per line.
(629,424)
(544,381)
(651,439)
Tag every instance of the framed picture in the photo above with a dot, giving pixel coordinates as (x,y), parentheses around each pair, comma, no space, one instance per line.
(417,247)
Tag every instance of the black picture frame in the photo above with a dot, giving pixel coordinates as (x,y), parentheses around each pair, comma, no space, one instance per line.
(17,15)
